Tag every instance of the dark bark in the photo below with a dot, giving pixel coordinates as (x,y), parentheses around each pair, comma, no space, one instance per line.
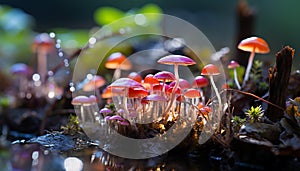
(279,77)
(245,28)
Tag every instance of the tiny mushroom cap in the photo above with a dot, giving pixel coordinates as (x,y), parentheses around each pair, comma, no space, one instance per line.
(79,100)
(116,117)
(137,92)
(164,76)
(192,93)
(117,60)
(176,59)
(44,41)
(200,82)
(20,69)
(210,69)
(154,97)
(233,64)
(105,111)
(135,76)
(183,84)
(125,83)
(169,90)
(258,44)
(96,82)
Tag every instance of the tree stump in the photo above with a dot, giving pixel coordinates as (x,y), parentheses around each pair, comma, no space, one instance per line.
(279,77)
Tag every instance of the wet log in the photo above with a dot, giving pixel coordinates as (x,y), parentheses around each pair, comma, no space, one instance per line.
(279,76)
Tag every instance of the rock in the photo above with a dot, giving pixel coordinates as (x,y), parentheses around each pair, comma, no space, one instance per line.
(261,131)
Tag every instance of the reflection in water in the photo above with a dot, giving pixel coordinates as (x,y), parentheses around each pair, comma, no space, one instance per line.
(34,157)
(73,164)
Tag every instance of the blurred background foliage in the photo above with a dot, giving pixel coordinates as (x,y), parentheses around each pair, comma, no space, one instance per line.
(75,21)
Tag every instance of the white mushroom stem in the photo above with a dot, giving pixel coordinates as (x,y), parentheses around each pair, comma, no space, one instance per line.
(42,63)
(117,74)
(173,90)
(218,97)
(236,79)
(249,66)
(125,103)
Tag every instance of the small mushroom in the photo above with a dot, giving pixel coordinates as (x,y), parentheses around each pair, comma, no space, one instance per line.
(253,45)
(175,60)
(200,82)
(233,65)
(125,84)
(211,70)
(42,45)
(118,62)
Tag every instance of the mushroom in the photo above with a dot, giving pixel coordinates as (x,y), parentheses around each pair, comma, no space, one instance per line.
(175,60)
(135,76)
(211,70)
(193,96)
(233,65)
(183,84)
(93,84)
(21,72)
(200,82)
(156,103)
(125,83)
(42,45)
(253,45)
(149,81)
(118,62)
(164,76)
(82,101)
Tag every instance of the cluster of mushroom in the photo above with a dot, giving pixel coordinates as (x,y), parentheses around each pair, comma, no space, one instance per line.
(162,96)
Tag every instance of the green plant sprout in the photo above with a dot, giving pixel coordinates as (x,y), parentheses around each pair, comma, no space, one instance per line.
(72,127)
(237,122)
(254,114)
(256,71)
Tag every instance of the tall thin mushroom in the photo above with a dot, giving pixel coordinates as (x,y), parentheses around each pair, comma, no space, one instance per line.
(253,45)
(175,60)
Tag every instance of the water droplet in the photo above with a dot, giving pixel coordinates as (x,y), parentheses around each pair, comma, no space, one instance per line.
(58,41)
(57,46)
(122,31)
(92,40)
(50,73)
(60,54)
(72,89)
(140,19)
(89,76)
(36,77)
(52,35)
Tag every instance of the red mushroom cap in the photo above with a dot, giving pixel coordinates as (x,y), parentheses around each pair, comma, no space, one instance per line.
(117,60)
(96,82)
(233,64)
(183,84)
(260,45)
(164,76)
(44,41)
(192,93)
(137,92)
(200,82)
(176,59)
(210,69)
(135,76)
